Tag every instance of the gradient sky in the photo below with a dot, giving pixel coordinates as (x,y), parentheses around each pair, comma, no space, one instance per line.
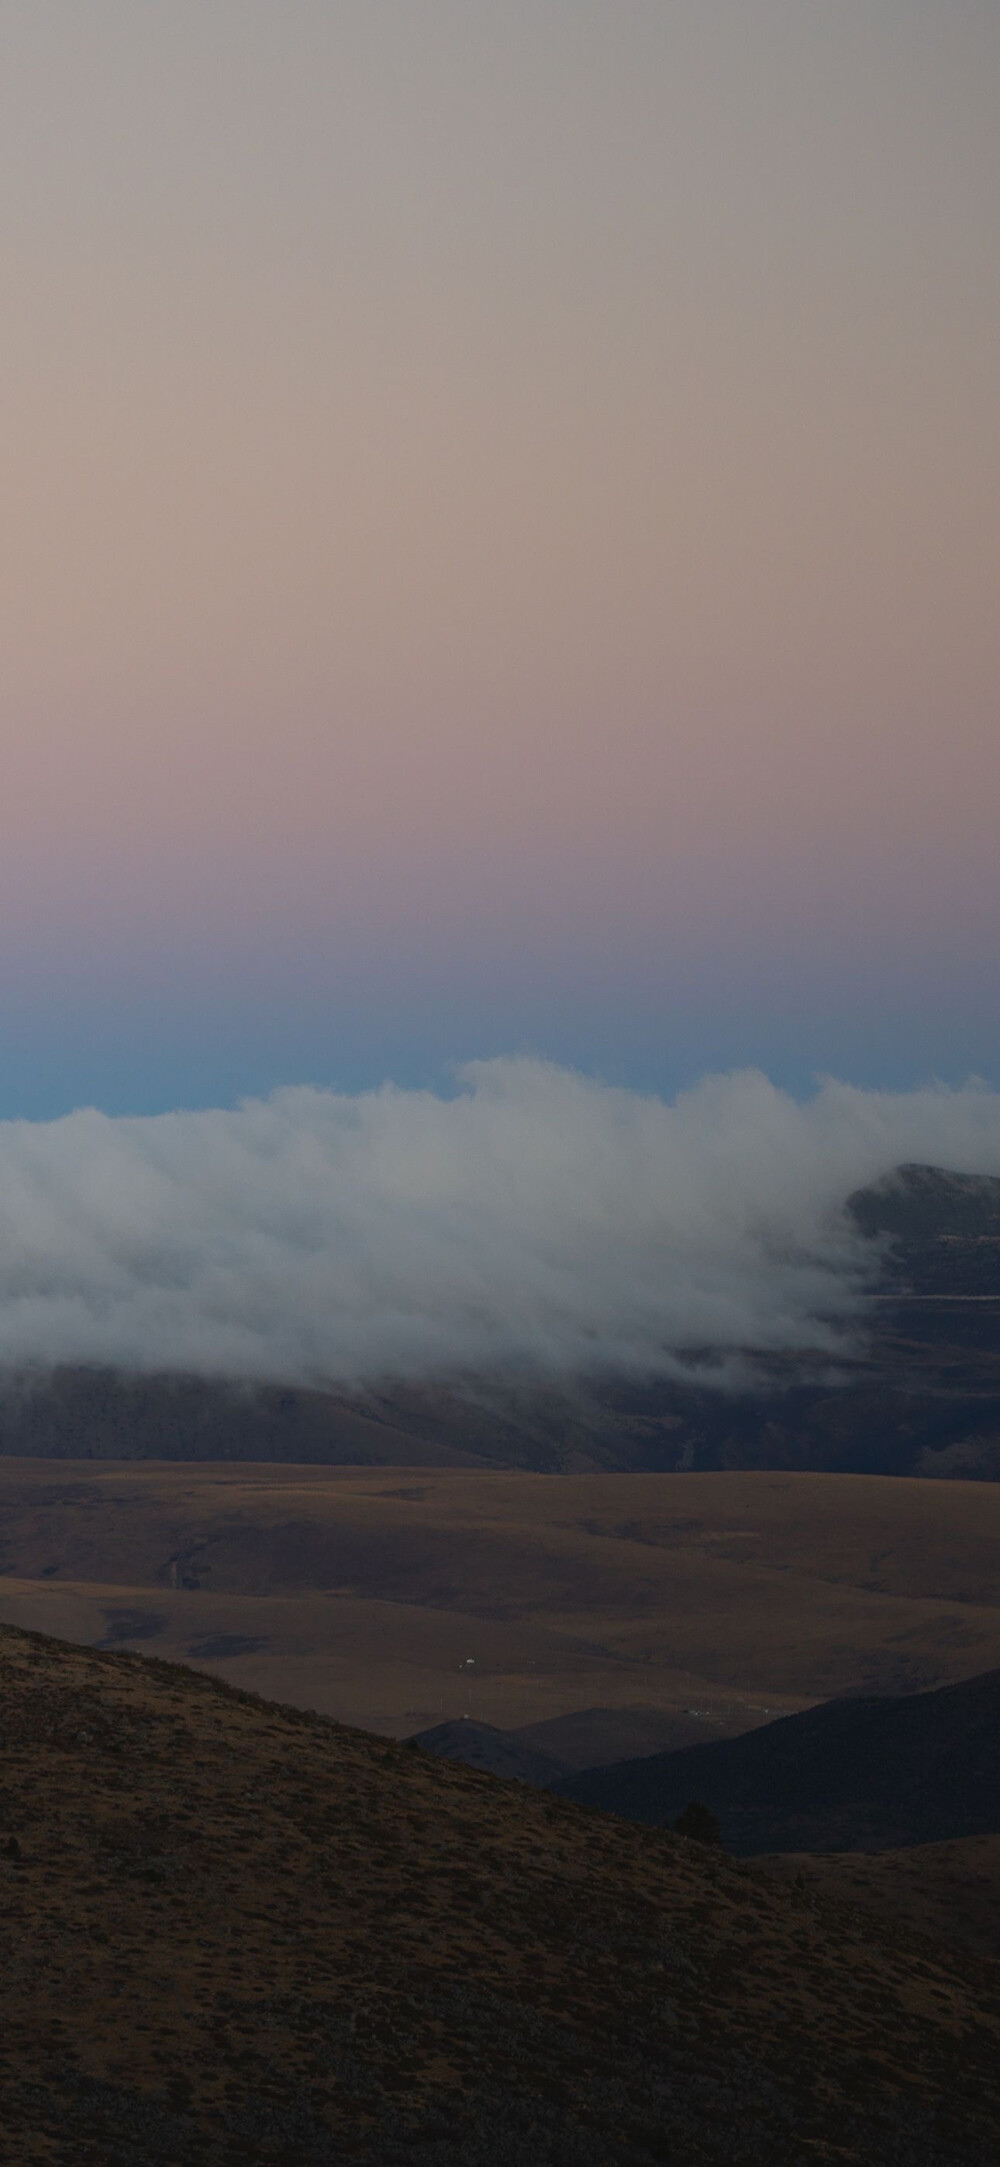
(500,541)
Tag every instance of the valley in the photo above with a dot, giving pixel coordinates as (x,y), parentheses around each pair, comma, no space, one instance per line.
(674,1608)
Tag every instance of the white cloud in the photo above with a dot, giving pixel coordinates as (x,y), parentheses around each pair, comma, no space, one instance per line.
(536,1218)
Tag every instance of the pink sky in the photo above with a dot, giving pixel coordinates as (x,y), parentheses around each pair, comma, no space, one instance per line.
(498,499)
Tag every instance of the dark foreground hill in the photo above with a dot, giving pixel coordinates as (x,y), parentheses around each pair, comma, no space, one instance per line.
(950,1890)
(851,1775)
(920,1395)
(236,1933)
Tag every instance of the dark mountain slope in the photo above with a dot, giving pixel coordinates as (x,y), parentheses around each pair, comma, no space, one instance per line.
(97,1414)
(851,1775)
(942,1230)
(236,1933)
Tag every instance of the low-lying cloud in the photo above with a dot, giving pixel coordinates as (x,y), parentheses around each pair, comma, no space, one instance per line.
(536,1220)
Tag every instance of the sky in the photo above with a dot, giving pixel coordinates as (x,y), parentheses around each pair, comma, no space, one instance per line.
(500,543)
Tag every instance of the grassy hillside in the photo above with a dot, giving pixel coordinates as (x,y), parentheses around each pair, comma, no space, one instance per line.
(233,1932)
(951,1890)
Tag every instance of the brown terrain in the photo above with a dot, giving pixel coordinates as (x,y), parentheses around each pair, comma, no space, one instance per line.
(951,1890)
(236,1932)
(606,1616)
(635,1612)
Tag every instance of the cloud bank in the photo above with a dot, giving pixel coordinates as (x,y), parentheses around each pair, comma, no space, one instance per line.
(536,1220)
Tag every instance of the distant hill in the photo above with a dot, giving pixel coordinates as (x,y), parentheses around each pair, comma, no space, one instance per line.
(921,1396)
(495,1752)
(585,1738)
(850,1775)
(591,1737)
(234,1932)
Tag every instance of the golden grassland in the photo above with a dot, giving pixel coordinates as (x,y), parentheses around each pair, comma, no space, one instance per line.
(365,1592)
